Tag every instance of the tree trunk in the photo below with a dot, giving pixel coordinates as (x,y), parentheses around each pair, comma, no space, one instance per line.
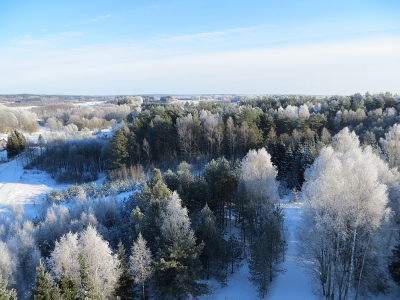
(353,248)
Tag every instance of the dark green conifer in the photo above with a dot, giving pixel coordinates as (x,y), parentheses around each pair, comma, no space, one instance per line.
(5,293)
(68,286)
(44,288)
(16,143)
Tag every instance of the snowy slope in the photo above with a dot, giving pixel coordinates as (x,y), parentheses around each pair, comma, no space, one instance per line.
(22,187)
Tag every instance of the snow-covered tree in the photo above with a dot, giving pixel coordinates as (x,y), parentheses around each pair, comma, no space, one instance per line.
(141,263)
(345,208)
(259,176)
(7,263)
(391,145)
(178,266)
(65,256)
(101,263)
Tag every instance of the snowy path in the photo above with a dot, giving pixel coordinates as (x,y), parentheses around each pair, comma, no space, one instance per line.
(294,283)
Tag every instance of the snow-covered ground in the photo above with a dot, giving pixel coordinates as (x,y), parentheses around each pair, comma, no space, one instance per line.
(294,284)
(19,187)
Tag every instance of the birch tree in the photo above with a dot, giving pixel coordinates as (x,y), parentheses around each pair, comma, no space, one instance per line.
(391,145)
(141,263)
(345,208)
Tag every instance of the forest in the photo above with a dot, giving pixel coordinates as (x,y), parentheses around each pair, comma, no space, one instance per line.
(203,183)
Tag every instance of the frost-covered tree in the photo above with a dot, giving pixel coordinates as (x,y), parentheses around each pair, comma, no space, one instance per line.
(141,263)
(25,253)
(65,256)
(7,263)
(391,145)
(178,266)
(101,263)
(345,209)
(259,177)
(184,129)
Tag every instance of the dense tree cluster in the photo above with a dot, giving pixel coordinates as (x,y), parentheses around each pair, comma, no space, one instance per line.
(212,201)
(293,129)
(16,118)
(70,161)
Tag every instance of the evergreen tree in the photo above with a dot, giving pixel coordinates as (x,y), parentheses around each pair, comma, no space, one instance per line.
(267,249)
(123,290)
(212,256)
(67,285)
(394,266)
(44,288)
(87,289)
(234,253)
(119,150)
(178,266)
(5,293)
(16,143)
(151,205)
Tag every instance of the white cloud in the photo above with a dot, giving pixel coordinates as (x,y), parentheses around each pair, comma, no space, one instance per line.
(343,67)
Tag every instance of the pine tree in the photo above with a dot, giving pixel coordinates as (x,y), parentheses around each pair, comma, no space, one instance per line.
(119,150)
(123,289)
(212,255)
(178,266)
(87,289)
(234,253)
(67,285)
(394,266)
(16,143)
(44,288)
(5,293)
(267,249)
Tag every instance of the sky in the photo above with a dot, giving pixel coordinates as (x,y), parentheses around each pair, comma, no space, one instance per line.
(130,47)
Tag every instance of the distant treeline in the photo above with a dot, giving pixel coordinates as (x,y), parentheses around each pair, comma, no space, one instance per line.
(292,128)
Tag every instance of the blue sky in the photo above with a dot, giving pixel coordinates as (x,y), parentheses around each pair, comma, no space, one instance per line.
(199,46)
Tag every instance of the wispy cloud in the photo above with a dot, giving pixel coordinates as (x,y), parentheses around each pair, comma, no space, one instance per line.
(212,34)
(101,17)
